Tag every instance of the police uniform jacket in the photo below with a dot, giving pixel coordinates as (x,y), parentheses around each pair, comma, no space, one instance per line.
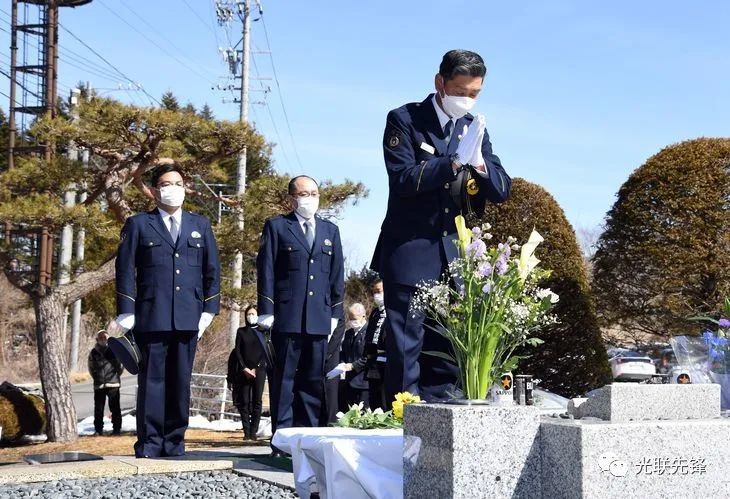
(302,287)
(418,234)
(167,285)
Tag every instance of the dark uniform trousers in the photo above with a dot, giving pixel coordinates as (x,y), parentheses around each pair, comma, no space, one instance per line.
(299,385)
(163,391)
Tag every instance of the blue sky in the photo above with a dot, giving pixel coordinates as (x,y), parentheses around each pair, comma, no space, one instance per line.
(578,93)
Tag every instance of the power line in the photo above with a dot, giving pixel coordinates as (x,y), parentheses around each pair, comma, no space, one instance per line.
(163,49)
(97,54)
(281,98)
(70,54)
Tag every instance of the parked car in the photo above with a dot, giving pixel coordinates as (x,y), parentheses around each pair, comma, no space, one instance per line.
(631,366)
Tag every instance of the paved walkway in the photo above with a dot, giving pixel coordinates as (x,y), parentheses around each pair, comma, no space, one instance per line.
(239,460)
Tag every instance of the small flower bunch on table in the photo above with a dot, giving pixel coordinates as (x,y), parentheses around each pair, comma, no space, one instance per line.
(366,419)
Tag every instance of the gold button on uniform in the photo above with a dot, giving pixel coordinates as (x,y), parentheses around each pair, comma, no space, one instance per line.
(311,277)
(311,261)
(151,243)
(177,288)
(446,210)
(177,271)
(177,255)
(446,233)
(446,185)
(311,293)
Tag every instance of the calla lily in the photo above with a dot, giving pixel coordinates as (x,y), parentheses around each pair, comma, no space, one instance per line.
(464,234)
(528,260)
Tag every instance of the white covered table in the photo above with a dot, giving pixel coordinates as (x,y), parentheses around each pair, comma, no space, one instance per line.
(345,462)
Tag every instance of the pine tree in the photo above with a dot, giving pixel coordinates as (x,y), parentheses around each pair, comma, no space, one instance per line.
(169,102)
(206,112)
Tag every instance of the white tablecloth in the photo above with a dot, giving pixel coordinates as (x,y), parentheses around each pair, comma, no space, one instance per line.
(344,462)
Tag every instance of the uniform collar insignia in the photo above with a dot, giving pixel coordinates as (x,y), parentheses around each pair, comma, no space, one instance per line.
(196,234)
(327,242)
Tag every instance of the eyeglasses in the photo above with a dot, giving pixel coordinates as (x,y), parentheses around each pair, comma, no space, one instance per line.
(169,184)
(305,194)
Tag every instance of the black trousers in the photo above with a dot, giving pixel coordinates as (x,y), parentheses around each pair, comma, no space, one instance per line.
(357,395)
(100,396)
(376,394)
(251,393)
(298,387)
(409,335)
(331,402)
(163,392)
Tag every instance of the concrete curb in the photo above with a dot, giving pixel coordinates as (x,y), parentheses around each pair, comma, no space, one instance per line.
(238,460)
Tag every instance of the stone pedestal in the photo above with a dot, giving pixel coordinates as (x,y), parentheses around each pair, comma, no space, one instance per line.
(621,402)
(453,451)
(651,459)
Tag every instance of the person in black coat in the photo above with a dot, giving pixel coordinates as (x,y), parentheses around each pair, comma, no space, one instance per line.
(249,374)
(105,370)
(353,348)
(373,360)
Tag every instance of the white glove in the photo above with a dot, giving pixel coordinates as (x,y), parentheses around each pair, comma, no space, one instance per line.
(205,319)
(266,321)
(339,369)
(470,141)
(476,159)
(125,321)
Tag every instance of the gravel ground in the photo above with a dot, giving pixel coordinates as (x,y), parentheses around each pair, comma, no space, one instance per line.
(218,484)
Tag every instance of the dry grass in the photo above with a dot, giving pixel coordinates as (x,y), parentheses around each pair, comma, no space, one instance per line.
(79,377)
(122,445)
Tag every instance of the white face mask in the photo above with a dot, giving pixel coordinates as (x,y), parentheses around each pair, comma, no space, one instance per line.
(252,319)
(172,195)
(456,107)
(355,324)
(307,207)
(379,299)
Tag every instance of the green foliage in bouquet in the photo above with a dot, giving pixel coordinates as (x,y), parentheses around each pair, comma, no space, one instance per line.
(494,306)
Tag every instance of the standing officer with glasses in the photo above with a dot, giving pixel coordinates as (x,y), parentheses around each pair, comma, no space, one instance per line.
(168,290)
(300,293)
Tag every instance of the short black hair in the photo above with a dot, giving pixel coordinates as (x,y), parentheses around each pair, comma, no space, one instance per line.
(462,62)
(290,188)
(250,307)
(161,170)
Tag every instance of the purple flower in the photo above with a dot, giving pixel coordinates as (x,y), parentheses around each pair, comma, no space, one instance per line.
(487,288)
(476,248)
(501,265)
(476,231)
(708,337)
(504,249)
(724,323)
(484,269)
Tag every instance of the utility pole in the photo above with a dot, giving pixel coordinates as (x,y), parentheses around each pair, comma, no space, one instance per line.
(80,241)
(235,318)
(67,238)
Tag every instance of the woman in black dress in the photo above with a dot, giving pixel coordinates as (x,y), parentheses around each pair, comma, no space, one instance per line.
(249,374)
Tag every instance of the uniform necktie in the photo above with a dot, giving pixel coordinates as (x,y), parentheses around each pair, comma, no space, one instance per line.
(309,233)
(174,232)
(448,129)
